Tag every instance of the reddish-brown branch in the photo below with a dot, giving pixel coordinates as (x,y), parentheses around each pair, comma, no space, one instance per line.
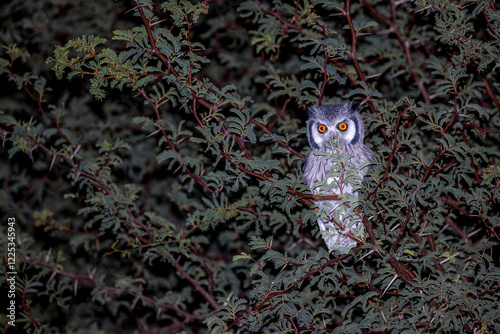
(152,40)
(171,145)
(480,128)
(440,152)
(391,157)
(457,229)
(196,285)
(272,294)
(404,42)
(40,108)
(402,271)
(394,146)
(355,62)
(204,103)
(491,230)
(405,274)
(471,159)
(325,72)
(104,188)
(353,41)
(281,19)
(403,227)
(304,198)
(26,308)
(423,252)
(282,143)
(113,290)
(453,203)
(369,229)
(492,292)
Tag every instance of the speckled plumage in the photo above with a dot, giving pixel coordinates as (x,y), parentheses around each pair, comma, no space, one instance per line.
(333,119)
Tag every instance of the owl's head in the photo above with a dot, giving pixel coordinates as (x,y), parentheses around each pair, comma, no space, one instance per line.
(337,123)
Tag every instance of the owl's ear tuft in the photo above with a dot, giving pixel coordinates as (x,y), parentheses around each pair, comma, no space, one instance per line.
(311,112)
(353,105)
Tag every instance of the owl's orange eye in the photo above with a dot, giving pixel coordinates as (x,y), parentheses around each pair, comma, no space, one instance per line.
(342,126)
(321,128)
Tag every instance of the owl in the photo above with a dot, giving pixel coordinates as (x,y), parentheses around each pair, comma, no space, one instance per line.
(336,129)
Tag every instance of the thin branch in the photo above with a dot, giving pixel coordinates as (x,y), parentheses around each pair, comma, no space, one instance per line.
(281,19)
(404,42)
(403,227)
(441,146)
(196,285)
(94,283)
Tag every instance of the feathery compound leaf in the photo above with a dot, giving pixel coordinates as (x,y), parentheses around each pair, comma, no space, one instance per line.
(256,242)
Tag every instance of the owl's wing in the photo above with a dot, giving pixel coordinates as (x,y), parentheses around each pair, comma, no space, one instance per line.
(315,167)
(363,154)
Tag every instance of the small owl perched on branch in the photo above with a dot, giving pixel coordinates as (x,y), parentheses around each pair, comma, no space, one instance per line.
(336,134)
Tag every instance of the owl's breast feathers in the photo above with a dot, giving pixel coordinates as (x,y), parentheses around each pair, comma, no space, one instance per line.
(316,166)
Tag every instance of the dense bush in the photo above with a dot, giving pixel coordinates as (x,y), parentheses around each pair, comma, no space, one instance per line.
(159,190)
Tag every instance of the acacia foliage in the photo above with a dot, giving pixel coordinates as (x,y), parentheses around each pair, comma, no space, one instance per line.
(171,200)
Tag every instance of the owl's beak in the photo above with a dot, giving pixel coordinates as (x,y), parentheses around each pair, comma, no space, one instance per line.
(334,141)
